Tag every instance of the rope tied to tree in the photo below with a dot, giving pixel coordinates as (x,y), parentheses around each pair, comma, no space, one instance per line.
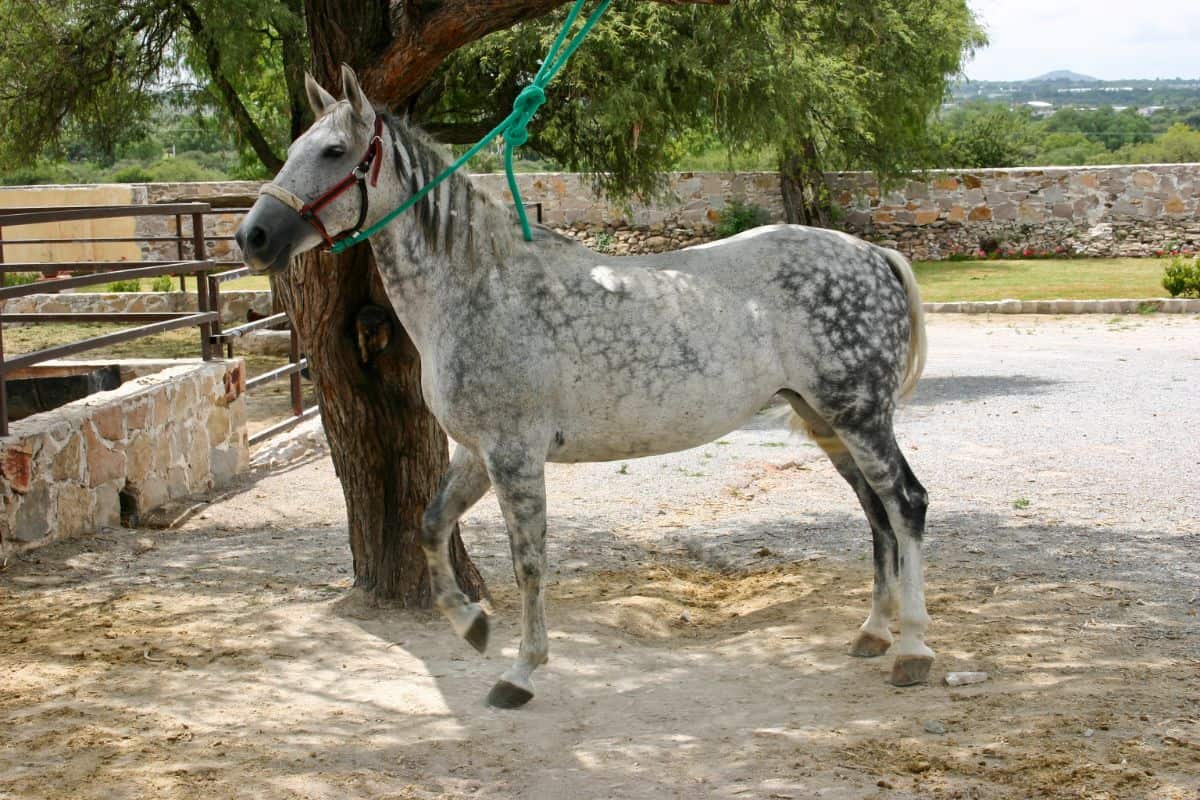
(514,128)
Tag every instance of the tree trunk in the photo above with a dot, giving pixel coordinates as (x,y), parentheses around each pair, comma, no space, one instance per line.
(805,194)
(387,448)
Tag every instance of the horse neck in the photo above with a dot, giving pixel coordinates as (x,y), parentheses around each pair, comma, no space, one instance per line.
(438,253)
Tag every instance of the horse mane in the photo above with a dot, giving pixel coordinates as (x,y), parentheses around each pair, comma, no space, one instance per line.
(456,217)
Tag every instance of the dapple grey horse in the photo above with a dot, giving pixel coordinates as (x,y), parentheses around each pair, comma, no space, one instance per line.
(546,351)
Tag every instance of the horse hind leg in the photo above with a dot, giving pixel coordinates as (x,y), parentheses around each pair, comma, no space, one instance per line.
(875,451)
(465,482)
(874,637)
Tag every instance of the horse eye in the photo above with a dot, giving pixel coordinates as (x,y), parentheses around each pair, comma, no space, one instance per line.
(333,151)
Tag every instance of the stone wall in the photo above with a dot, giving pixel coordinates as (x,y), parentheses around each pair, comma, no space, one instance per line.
(1100,211)
(1094,211)
(173,428)
(234,303)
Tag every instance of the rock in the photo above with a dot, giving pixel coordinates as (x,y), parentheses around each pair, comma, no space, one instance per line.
(685,618)
(935,727)
(1089,733)
(965,678)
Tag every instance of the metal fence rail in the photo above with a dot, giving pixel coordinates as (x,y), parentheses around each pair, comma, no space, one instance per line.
(205,317)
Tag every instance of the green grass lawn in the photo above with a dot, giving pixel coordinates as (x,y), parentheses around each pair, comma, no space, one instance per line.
(1040,279)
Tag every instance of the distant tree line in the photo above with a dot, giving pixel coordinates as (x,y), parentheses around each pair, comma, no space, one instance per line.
(984,134)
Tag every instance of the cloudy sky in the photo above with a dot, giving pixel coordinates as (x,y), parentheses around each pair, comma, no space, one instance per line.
(1108,39)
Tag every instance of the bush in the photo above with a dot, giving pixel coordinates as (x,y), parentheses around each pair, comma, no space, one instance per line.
(131,285)
(1181,277)
(20,278)
(739,216)
(162,283)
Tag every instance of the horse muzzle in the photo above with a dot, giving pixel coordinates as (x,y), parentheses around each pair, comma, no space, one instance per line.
(268,236)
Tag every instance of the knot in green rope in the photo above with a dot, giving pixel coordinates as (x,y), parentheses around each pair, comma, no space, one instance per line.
(525,106)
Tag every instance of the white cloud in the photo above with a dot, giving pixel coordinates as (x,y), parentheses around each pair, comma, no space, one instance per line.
(1109,39)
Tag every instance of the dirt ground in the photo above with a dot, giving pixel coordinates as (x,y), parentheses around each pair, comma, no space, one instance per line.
(700,608)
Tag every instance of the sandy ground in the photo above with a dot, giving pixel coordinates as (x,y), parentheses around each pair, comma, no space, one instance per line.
(700,608)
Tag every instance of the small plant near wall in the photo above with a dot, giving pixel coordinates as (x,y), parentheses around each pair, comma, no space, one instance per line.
(132,285)
(738,216)
(1181,277)
(161,284)
(20,278)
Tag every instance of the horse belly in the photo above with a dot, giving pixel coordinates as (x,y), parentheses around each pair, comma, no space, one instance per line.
(629,414)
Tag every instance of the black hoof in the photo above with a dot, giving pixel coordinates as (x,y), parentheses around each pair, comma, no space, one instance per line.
(507,695)
(477,634)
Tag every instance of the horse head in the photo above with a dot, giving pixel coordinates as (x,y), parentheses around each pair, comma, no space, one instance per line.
(325,189)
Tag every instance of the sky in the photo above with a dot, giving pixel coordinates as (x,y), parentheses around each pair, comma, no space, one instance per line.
(1107,39)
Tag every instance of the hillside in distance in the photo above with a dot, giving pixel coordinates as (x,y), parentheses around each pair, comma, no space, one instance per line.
(1065,75)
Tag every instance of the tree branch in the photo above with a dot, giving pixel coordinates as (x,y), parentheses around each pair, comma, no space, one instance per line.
(229,96)
(425,35)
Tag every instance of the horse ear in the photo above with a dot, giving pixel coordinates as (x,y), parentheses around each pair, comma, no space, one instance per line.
(354,93)
(318,98)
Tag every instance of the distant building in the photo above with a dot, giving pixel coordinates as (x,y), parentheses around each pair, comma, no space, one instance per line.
(1040,108)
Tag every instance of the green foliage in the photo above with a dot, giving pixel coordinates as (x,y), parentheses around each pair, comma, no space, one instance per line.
(131,285)
(739,216)
(162,283)
(853,82)
(984,135)
(1181,277)
(20,278)
(94,81)
(988,134)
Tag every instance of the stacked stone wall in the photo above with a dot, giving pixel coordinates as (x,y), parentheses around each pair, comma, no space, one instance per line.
(1092,211)
(234,303)
(170,430)
(1096,211)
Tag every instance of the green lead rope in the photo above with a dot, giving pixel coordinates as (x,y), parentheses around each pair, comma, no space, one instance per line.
(514,128)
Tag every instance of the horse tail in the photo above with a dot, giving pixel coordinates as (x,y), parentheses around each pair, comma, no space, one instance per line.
(917,344)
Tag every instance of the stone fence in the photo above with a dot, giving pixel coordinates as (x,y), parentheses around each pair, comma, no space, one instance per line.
(172,428)
(1096,211)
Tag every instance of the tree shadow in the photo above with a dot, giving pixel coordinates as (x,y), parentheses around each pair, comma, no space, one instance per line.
(236,667)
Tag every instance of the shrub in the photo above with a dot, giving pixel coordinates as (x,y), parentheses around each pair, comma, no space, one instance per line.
(20,278)
(739,216)
(162,283)
(131,174)
(131,285)
(1181,277)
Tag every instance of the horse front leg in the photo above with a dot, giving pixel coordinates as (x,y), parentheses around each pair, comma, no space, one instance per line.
(464,483)
(520,483)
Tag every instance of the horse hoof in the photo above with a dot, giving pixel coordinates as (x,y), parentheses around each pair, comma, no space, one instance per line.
(911,670)
(477,633)
(868,645)
(508,695)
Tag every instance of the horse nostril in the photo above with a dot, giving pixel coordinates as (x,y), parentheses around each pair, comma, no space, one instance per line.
(257,237)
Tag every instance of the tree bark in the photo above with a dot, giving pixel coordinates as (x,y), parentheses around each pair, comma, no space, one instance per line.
(388,450)
(228,94)
(802,182)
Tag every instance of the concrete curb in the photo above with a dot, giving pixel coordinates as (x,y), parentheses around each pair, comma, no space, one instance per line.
(1173,305)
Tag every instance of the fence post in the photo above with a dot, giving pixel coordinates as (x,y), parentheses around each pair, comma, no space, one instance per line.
(202,303)
(294,378)
(3,380)
(179,249)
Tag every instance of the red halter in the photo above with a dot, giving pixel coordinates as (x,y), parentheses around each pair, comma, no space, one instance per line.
(309,211)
